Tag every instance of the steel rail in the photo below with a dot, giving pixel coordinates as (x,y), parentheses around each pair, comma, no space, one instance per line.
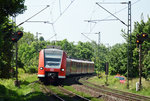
(78,97)
(53,94)
(114,92)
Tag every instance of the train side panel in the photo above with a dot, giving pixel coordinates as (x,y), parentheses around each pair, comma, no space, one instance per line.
(41,70)
(68,67)
(79,67)
(54,65)
(62,72)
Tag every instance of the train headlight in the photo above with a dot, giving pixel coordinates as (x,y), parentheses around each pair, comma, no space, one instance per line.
(62,69)
(41,68)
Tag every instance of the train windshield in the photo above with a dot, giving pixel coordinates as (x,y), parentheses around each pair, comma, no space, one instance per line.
(53,59)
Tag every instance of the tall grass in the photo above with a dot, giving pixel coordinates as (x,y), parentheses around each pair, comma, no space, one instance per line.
(27,90)
(115,84)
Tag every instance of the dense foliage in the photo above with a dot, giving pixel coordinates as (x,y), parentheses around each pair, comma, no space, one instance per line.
(142,27)
(7,8)
(29,47)
(5,49)
(118,59)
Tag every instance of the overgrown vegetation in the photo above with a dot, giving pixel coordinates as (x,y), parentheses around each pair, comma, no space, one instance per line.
(28,89)
(116,55)
(7,8)
(115,84)
(29,47)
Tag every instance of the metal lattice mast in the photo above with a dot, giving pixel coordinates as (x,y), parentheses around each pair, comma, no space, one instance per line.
(98,43)
(129,51)
(129,63)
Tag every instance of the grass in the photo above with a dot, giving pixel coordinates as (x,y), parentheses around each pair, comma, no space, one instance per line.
(30,91)
(72,89)
(27,91)
(114,83)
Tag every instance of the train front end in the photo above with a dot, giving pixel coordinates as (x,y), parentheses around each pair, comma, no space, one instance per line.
(52,65)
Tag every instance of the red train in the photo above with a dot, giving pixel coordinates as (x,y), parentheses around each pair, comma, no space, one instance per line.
(54,64)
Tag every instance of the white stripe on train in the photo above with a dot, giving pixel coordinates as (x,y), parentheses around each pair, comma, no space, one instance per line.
(61,76)
(41,75)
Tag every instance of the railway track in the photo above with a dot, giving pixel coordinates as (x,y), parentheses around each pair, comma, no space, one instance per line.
(73,96)
(144,98)
(116,94)
(52,95)
(96,91)
(67,94)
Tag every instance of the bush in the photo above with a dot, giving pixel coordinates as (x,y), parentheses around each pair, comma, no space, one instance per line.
(32,69)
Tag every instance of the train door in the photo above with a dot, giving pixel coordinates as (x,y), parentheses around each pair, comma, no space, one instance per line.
(68,67)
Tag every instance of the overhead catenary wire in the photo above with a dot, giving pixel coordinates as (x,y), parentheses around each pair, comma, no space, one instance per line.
(86,37)
(63,11)
(60,6)
(53,22)
(40,22)
(113,13)
(94,21)
(91,19)
(52,37)
(33,15)
(54,31)
(113,2)
(122,8)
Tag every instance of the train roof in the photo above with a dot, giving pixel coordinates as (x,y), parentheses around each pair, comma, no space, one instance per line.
(53,49)
(68,59)
(82,61)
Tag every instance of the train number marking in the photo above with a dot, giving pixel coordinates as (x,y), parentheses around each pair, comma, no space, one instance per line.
(52,69)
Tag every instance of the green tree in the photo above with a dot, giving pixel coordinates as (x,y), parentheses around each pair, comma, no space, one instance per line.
(84,51)
(139,28)
(5,49)
(10,8)
(144,27)
(27,38)
(146,69)
(118,59)
(68,47)
(7,8)
(28,56)
(41,38)
(28,52)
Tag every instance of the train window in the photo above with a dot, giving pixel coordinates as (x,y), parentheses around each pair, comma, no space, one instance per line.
(68,64)
(52,58)
(78,66)
(52,63)
(73,67)
(84,67)
(91,67)
(50,55)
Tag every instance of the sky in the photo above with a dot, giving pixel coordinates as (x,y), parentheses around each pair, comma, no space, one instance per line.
(68,19)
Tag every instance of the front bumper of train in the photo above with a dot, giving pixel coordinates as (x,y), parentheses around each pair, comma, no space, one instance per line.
(49,72)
